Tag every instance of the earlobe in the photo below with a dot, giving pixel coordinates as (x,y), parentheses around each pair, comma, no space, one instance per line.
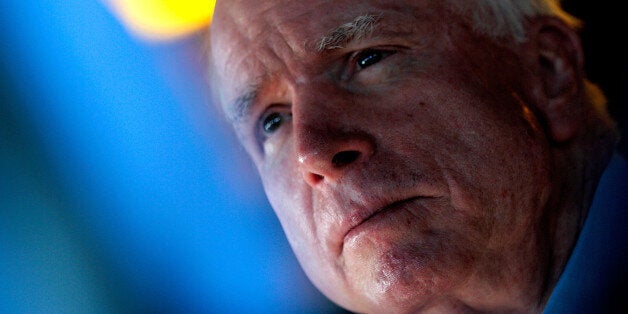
(555,54)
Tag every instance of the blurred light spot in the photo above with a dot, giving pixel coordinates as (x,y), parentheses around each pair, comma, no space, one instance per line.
(162,19)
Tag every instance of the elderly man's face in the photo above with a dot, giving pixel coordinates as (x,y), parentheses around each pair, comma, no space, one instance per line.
(401,159)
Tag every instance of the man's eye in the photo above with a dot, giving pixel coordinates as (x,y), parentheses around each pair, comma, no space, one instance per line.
(369,57)
(273,121)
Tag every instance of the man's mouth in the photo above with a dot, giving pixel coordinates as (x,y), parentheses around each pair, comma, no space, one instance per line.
(381,215)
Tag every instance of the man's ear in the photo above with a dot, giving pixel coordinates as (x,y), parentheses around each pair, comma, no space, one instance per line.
(554,54)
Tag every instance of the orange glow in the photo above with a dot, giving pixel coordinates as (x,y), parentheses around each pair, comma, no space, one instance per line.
(162,19)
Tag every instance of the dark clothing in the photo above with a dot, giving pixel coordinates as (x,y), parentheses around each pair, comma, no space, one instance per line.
(595,279)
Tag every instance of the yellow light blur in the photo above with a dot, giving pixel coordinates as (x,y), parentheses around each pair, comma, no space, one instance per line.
(162,19)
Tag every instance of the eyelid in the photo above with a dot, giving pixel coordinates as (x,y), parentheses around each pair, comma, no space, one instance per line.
(259,122)
(352,59)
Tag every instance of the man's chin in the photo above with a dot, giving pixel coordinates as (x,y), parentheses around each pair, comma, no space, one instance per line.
(403,278)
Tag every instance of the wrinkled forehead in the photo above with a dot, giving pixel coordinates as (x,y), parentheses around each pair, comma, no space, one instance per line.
(298,22)
(252,39)
(245,32)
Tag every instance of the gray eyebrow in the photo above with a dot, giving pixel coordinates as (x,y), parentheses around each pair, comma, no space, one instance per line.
(241,107)
(361,27)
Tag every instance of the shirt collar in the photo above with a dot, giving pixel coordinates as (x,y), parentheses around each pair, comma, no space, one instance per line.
(596,271)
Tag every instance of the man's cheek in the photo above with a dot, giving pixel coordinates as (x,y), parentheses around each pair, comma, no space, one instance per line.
(287,193)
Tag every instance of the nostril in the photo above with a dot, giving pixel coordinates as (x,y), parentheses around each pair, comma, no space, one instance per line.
(345,157)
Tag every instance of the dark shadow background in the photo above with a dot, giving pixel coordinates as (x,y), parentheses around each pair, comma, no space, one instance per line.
(606,57)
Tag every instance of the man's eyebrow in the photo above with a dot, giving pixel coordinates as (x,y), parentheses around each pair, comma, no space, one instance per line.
(241,106)
(361,27)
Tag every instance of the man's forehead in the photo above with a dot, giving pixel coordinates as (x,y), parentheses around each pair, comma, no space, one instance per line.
(306,28)
(301,23)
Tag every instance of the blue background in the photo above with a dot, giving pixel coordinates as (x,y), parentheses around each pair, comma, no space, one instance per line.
(120,187)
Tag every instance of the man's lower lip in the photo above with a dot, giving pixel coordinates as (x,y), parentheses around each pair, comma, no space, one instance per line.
(379,216)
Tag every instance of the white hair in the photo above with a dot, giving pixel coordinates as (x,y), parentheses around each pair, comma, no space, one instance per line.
(360,27)
(500,18)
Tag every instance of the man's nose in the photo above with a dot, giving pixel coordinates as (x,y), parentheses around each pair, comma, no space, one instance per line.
(331,136)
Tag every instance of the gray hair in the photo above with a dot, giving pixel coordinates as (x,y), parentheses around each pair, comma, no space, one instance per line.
(358,28)
(506,19)
(501,18)
(494,18)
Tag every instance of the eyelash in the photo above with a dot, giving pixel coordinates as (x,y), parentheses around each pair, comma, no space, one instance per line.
(269,123)
(360,58)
